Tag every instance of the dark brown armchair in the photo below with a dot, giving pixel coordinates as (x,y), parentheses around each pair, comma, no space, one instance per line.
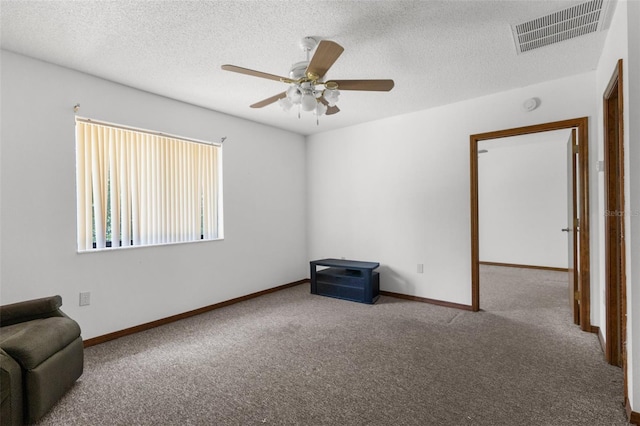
(41,357)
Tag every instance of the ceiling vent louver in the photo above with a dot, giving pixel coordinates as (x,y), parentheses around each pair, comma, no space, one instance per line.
(575,21)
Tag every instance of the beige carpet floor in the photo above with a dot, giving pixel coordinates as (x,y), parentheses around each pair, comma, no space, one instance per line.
(292,358)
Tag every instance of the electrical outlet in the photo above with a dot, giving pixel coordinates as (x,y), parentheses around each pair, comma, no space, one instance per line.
(420,268)
(85,298)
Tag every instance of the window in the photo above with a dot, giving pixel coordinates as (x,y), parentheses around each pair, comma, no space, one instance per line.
(138,188)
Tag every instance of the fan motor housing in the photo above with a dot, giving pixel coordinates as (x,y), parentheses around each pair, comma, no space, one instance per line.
(298,70)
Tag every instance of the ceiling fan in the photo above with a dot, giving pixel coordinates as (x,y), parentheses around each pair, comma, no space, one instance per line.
(306,86)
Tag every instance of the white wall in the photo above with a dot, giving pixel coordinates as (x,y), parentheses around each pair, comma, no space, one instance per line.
(632,95)
(522,199)
(397,190)
(264,208)
(623,42)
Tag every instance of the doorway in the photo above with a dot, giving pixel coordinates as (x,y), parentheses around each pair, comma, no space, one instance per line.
(581,126)
(522,199)
(615,258)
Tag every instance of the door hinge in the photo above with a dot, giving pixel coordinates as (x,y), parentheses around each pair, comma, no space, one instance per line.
(576,295)
(576,223)
(575,149)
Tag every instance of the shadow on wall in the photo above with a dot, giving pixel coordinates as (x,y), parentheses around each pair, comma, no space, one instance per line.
(390,280)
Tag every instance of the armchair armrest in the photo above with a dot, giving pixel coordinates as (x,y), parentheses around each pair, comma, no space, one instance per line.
(31,309)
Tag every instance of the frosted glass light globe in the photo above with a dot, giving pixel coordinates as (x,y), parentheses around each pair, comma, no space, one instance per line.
(294,95)
(308,102)
(331,96)
(285,104)
(321,109)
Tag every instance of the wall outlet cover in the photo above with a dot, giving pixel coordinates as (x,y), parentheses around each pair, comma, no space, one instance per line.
(85,298)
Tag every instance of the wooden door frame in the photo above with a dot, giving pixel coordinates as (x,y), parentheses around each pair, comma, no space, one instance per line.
(582,126)
(573,236)
(616,298)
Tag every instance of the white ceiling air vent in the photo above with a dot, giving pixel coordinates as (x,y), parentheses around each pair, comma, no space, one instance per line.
(575,21)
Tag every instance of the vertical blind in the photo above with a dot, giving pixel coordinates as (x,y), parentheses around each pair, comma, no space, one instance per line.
(137,188)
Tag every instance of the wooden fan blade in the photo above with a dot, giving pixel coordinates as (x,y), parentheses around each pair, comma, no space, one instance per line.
(373,85)
(326,54)
(254,73)
(330,109)
(269,101)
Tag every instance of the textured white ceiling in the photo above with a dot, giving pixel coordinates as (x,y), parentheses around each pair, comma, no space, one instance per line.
(437,52)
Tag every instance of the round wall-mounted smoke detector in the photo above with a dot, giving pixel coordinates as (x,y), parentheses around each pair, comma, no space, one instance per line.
(531,104)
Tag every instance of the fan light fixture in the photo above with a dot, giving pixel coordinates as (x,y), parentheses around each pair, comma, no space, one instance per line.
(306,89)
(309,99)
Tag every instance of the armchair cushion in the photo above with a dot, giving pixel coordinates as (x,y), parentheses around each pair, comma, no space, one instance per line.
(32,342)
